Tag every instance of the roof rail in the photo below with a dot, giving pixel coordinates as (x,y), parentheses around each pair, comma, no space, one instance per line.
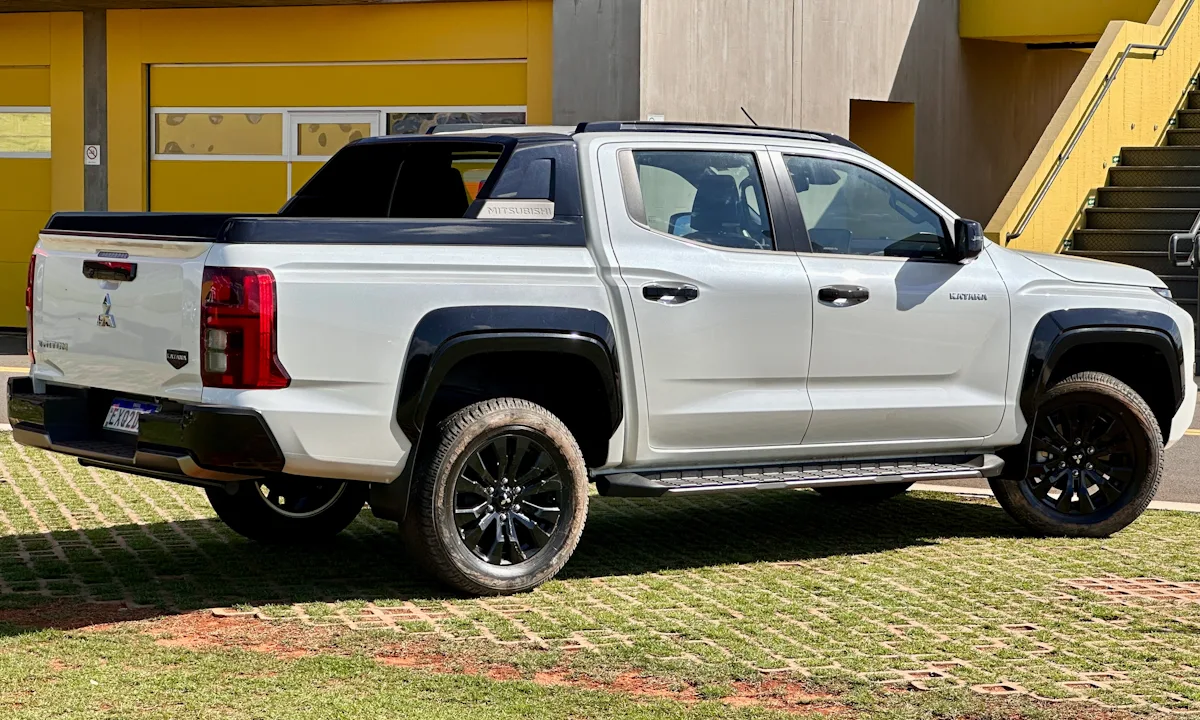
(715,128)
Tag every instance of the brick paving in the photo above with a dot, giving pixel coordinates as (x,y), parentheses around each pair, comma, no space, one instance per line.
(927,592)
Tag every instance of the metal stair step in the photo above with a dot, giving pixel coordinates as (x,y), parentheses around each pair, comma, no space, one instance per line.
(1140,218)
(1146,240)
(1156,262)
(1193,100)
(1149,197)
(1183,138)
(1153,176)
(1186,119)
(1162,155)
(784,477)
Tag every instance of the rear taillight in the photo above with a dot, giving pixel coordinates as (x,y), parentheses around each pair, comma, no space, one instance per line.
(238,345)
(29,307)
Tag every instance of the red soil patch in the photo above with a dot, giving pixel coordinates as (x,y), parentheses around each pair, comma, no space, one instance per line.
(74,615)
(203,630)
(774,694)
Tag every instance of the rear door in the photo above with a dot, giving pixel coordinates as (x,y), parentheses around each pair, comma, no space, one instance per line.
(909,347)
(120,314)
(722,306)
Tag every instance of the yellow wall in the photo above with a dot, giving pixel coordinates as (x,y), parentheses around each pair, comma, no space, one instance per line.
(516,32)
(887,130)
(1134,113)
(1044,21)
(41,65)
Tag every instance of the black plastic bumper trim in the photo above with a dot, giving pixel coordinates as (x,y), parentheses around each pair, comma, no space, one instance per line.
(199,442)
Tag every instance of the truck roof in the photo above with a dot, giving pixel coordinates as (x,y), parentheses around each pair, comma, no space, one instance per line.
(614,126)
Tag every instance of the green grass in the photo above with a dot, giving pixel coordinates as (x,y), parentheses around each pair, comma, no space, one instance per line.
(707,593)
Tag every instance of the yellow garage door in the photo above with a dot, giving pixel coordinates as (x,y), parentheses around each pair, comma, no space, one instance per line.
(244,138)
(24,180)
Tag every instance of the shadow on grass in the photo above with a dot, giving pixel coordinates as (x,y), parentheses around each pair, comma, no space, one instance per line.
(53,580)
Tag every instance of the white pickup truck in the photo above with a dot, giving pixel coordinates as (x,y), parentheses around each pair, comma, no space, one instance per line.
(466,329)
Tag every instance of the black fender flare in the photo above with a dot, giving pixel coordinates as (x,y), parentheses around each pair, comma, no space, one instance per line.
(1063,330)
(446,336)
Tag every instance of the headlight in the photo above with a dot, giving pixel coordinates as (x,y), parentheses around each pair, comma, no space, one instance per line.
(1165,292)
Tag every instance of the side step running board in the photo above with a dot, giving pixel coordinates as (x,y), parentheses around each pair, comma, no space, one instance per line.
(783,477)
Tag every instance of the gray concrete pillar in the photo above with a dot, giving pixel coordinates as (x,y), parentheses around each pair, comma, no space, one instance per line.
(95,107)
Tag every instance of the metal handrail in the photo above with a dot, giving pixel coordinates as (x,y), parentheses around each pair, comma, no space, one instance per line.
(1108,83)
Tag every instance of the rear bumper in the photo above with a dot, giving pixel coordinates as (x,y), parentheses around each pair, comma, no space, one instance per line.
(197,444)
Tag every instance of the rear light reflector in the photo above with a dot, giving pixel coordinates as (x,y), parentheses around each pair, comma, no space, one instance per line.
(238,336)
(29,307)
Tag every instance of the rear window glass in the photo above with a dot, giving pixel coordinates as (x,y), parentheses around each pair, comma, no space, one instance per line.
(434,180)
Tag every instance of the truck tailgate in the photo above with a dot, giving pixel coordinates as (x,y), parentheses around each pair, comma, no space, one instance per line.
(119,313)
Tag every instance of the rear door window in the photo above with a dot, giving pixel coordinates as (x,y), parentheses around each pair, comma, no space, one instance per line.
(711,197)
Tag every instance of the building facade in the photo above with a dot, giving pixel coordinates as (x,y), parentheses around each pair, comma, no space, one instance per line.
(231,105)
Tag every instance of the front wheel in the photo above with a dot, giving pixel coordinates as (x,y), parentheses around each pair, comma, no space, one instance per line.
(289,510)
(500,502)
(1096,458)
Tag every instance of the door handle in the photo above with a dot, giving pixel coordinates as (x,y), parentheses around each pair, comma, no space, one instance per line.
(670,294)
(843,295)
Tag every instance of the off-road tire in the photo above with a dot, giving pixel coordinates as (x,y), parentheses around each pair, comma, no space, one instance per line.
(248,513)
(1019,496)
(858,495)
(430,533)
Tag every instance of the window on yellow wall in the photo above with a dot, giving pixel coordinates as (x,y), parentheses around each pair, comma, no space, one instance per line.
(24,132)
(325,139)
(417,123)
(218,133)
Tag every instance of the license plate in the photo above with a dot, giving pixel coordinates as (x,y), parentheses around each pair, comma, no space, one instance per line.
(123,416)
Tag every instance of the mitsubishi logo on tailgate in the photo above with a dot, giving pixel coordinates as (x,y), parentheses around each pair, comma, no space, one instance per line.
(106,319)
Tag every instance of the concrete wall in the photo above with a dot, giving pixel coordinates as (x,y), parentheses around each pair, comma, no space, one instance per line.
(980,105)
(596,60)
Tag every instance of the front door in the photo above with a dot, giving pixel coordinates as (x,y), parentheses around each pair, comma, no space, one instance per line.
(908,346)
(722,311)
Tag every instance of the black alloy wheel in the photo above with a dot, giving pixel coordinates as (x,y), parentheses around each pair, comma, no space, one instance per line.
(507,497)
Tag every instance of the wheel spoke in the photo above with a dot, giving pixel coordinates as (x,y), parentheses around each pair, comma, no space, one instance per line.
(520,449)
(472,537)
(1041,489)
(1085,499)
(515,550)
(540,537)
(495,552)
(546,485)
(1064,500)
(477,465)
(1052,432)
(1107,489)
(548,515)
(467,486)
(467,515)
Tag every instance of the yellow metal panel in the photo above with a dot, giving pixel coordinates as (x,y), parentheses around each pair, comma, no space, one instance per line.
(24,184)
(302,172)
(887,130)
(66,110)
(127,112)
(1134,113)
(491,30)
(25,40)
(19,233)
(12,293)
(1042,21)
(540,68)
(24,86)
(339,85)
(208,186)
(400,31)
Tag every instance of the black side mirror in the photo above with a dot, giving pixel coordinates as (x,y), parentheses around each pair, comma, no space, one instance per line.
(968,239)
(1183,251)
